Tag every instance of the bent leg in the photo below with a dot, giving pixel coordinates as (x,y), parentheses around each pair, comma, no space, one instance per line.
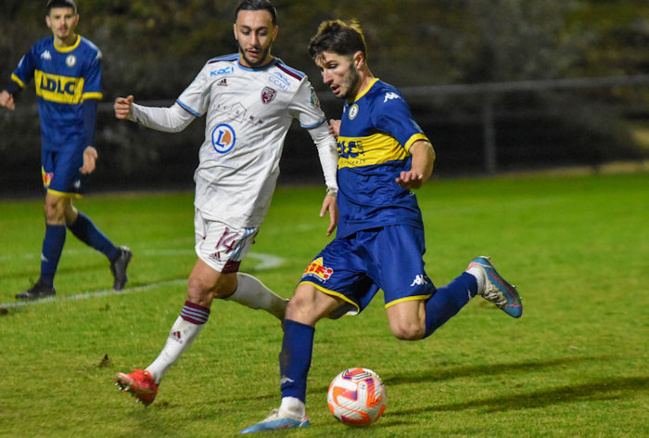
(407,320)
(86,231)
(204,283)
(413,320)
(252,293)
(448,300)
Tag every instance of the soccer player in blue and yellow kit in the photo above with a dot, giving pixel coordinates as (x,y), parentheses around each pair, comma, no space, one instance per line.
(66,69)
(383,155)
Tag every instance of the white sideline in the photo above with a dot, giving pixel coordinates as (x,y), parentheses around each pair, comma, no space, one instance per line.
(267,261)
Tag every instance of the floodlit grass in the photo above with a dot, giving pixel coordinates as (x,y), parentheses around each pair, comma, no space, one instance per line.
(574,365)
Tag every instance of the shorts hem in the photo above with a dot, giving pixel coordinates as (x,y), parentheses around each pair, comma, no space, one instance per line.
(413,298)
(332,293)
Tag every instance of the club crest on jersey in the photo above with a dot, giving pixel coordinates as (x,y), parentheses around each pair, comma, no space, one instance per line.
(317,269)
(47,178)
(353,112)
(268,94)
(71,61)
(223,138)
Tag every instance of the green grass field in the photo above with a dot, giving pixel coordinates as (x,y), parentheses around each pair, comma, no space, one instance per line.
(575,364)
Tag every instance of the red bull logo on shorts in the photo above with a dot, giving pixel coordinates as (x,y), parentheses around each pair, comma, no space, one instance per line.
(317,269)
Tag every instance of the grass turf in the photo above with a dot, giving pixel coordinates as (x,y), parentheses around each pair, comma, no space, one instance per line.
(573,365)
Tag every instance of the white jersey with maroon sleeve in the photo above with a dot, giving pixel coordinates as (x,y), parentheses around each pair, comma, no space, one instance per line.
(248,114)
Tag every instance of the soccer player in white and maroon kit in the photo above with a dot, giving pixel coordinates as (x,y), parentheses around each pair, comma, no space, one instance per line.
(249,99)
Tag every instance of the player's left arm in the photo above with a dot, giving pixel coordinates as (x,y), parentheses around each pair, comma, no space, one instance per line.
(90,100)
(306,108)
(423,160)
(327,151)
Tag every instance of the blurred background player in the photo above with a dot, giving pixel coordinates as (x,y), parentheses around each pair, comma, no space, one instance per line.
(250,99)
(380,240)
(66,69)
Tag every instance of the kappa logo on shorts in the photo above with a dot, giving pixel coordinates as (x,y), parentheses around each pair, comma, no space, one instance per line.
(419,280)
(317,269)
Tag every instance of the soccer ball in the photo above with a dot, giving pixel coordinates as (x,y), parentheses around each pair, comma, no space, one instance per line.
(357,397)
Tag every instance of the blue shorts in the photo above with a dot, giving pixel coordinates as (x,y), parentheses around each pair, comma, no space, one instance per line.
(354,268)
(61,174)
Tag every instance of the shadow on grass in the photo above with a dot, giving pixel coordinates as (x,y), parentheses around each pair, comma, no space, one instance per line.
(447,373)
(602,389)
(605,389)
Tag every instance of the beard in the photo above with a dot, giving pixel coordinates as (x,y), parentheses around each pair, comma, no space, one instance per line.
(256,64)
(351,83)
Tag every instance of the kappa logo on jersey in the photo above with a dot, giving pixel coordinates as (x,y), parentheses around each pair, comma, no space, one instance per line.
(223,138)
(60,89)
(317,269)
(390,96)
(268,94)
(419,280)
(46,55)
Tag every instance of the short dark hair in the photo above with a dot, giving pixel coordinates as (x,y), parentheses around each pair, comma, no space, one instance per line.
(257,5)
(61,4)
(340,37)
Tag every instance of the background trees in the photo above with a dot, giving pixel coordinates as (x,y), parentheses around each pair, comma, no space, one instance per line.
(153,49)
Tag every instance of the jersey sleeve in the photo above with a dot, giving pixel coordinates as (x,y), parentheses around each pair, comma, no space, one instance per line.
(196,97)
(92,79)
(305,106)
(391,112)
(23,73)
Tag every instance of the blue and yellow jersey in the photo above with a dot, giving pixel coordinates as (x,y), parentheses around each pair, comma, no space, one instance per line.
(376,133)
(64,78)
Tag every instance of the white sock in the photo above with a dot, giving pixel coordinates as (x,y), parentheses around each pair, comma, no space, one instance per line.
(480,277)
(254,294)
(181,336)
(293,407)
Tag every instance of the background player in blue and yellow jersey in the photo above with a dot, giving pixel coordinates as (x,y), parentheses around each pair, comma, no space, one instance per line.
(383,154)
(66,69)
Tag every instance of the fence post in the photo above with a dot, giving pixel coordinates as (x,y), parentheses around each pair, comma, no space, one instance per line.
(489,132)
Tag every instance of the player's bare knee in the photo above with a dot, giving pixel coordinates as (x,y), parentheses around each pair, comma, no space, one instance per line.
(408,331)
(199,293)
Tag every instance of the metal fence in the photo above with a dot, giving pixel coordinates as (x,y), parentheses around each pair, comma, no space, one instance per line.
(475,128)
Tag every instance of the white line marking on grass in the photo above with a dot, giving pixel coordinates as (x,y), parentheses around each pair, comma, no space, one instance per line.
(267,261)
(99,293)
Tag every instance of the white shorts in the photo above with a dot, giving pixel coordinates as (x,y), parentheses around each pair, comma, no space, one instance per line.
(221,246)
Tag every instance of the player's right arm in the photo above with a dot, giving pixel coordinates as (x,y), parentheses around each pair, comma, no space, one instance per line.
(172,119)
(123,107)
(23,73)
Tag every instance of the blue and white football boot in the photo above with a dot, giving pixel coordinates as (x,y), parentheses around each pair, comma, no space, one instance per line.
(277,421)
(497,290)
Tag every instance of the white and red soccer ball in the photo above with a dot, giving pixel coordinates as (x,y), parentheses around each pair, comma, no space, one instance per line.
(357,397)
